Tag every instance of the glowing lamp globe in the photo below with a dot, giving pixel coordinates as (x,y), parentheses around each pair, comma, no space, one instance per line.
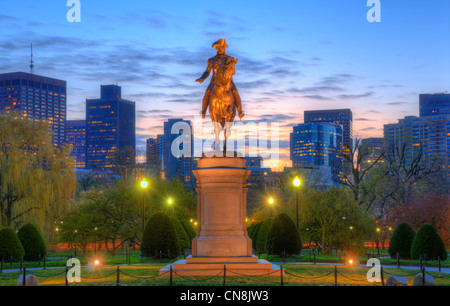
(144,184)
(297,182)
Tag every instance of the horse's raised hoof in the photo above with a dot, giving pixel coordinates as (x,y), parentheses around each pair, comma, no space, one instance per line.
(241,115)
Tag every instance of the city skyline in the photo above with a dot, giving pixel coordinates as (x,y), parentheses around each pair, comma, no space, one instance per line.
(304,56)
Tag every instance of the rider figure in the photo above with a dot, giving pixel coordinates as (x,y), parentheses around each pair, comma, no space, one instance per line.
(213,62)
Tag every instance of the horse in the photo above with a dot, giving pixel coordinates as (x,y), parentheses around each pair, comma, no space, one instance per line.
(222,107)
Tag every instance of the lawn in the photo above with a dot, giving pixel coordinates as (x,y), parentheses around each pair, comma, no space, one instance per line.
(148,275)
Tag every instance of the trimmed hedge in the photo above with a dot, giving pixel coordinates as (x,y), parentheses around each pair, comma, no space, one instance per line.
(32,242)
(283,236)
(10,245)
(254,233)
(160,235)
(401,241)
(189,229)
(428,243)
(264,229)
(183,238)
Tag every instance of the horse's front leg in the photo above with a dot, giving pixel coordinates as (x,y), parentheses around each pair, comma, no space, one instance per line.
(217,129)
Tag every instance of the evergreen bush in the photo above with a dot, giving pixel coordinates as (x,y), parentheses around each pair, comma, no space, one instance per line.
(283,236)
(261,239)
(160,235)
(428,244)
(32,242)
(10,245)
(401,241)
(183,238)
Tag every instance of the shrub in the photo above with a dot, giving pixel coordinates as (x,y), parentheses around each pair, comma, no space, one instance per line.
(401,241)
(183,238)
(254,233)
(32,242)
(159,235)
(283,236)
(10,245)
(261,239)
(428,243)
(189,229)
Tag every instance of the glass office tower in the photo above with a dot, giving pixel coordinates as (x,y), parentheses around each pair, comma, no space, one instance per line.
(76,136)
(38,98)
(318,145)
(110,125)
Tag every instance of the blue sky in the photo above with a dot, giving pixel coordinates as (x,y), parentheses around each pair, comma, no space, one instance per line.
(293,55)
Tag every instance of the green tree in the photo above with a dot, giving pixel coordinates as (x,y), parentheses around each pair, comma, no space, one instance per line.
(10,245)
(401,241)
(32,242)
(336,219)
(116,215)
(78,227)
(37,180)
(428,244)
(159,235)
(283,236)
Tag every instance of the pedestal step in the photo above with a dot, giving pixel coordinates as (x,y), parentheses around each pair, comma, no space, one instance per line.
(261,268)
(222,260)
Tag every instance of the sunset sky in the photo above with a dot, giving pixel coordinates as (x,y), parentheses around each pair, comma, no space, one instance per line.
(293,56)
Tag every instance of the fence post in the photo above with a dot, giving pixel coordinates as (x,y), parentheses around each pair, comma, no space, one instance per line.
(66,280)
(423,276)
(398,260)
(439,263)
(382,277)
(21,263)
(281,275)
(171,275)
(335,276)
(224,274)
(118,276)
(24,277)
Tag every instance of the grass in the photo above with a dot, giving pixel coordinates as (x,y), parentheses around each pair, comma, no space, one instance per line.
(148,275)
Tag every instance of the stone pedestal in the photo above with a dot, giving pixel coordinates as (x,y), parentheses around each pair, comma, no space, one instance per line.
(222,238)
(221,210)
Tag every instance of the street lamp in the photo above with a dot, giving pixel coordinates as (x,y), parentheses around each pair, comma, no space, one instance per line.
(170,202)
(297,184)
(271,202)
(144,185)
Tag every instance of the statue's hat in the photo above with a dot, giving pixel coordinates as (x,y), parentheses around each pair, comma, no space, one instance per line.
(220,42)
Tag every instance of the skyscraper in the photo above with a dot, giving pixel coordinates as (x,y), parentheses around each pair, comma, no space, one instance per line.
(152,154)
(76,136)
(318,145)
(343,117)
(434,104)
(375,147)
(428,135)
(36,97)
(177,156)
(110,125)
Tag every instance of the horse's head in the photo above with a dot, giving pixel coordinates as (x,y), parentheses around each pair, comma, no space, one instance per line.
(226,71)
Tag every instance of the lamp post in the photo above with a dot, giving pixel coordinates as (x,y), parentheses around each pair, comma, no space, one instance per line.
(297,184)
(144,185)
(271,202)
(170,202)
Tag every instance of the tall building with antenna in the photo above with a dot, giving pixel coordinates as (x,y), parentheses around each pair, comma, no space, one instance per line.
(32,60)
(37,98)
